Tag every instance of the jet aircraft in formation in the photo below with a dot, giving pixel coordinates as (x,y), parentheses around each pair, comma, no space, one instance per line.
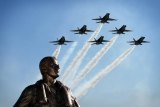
(104,19)
(121,30)
(82,30)
(99,41)
(60,41)
(138,42)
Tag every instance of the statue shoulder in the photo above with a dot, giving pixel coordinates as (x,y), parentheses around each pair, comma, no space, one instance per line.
(29,89)
(25,97)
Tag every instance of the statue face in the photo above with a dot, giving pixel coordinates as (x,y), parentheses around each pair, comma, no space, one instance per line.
(53,69)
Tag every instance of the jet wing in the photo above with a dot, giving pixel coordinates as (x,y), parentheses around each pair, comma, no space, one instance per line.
(75,30)
(89,31)
(132,42)
(53,41)
(92,41)
(128,30)
(105,41)
(145,42)
(112,19)
(60,44)
(113,30)
(69,41)
(97,19)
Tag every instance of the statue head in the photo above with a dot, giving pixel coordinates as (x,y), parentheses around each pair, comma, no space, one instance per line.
(49,67)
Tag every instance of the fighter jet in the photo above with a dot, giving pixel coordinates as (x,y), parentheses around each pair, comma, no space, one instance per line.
(82,30)
(99,41)
(61,41)
(138,42)
(120,30)
(104,19)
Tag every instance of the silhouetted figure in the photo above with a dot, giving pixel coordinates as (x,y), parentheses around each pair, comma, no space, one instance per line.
(47,92)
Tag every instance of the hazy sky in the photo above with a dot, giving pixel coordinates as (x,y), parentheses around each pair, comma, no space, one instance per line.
(27,26)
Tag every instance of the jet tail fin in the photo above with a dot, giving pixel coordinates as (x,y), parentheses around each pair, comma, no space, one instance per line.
(134,39)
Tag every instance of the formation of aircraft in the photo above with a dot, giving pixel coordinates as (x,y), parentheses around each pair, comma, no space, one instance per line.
(99,41)
(121,30)
(104,19)
(138,42)
(82,30)
(60,41)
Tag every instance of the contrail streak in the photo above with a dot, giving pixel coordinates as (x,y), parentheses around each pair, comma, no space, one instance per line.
(71,70)
(93,62)
(57,51)
(90,84)
(68,54)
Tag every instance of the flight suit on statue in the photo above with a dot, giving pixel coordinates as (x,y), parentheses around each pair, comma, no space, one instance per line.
(47,92)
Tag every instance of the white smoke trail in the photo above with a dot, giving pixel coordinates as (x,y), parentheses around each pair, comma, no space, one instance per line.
(90,84)
(68,54)
(71,70)
(93,62)
(56,52)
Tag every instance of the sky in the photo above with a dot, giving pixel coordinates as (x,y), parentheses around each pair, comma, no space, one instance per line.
(27,26)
